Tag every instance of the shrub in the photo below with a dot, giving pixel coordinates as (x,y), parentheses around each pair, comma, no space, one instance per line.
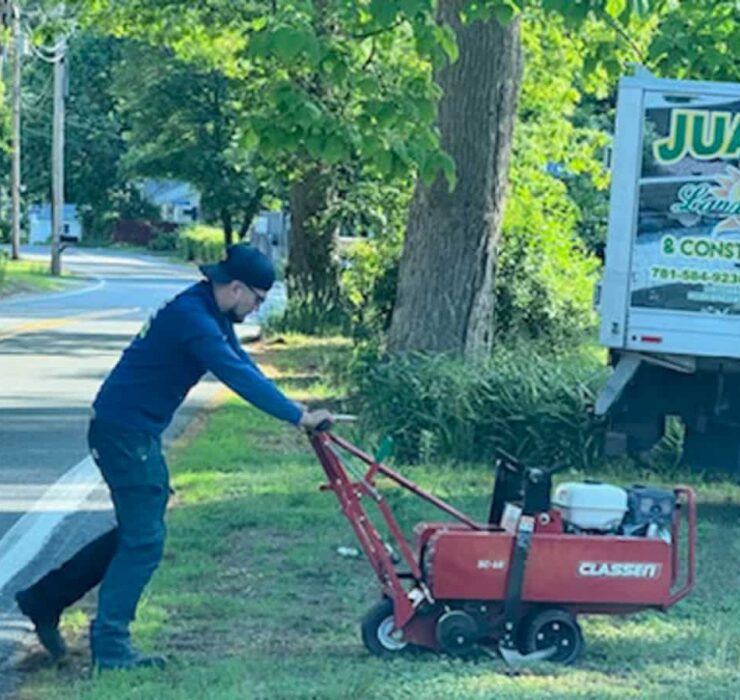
(371,216)
(202,244)
(368,283)
(305,314)
(544,283)
(164,241)
(525,399)
(367,291)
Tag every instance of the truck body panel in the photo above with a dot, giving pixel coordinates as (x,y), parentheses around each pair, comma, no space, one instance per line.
(672,274)
(669,300)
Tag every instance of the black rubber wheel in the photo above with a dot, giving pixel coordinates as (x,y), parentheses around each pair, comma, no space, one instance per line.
(554,628)
(378,631)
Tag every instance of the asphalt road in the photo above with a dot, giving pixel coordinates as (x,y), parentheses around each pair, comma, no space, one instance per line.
(55,350)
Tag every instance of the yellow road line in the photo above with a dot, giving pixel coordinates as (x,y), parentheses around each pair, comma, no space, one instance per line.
(49,323)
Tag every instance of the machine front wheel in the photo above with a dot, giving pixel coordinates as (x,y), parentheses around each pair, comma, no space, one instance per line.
(378,630)
(554,628)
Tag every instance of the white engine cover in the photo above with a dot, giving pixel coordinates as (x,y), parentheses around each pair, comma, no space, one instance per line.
(591,506)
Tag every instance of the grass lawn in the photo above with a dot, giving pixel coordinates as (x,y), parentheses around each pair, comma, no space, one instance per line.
(254,601)
(19,276)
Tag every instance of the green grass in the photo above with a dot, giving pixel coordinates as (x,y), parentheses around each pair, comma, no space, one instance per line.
(19,276)
(254,601)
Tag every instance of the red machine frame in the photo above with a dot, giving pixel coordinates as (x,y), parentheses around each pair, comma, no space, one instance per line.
(550,548)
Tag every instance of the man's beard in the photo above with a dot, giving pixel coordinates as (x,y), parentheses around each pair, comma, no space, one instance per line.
(233,316)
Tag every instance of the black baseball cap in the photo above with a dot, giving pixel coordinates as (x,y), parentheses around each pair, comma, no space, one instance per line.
(243,263)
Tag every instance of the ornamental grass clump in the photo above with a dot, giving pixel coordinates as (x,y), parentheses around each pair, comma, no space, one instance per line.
(526,400)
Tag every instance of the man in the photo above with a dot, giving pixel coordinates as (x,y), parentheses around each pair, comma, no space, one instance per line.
(190,335)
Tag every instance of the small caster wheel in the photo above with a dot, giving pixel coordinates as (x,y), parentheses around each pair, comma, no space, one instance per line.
(379,633)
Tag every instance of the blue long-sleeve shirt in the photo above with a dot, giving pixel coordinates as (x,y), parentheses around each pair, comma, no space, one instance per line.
(186,338)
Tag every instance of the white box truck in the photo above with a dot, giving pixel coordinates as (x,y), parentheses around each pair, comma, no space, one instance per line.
(669,298)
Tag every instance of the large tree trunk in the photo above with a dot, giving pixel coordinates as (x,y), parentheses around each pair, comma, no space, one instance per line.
(311,270)
(228,225)
(250,211)
(445,300)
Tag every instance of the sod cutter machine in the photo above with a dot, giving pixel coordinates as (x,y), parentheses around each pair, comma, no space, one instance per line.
(517,583)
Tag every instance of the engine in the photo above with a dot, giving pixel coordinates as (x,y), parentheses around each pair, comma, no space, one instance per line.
(595,508)
(649,512)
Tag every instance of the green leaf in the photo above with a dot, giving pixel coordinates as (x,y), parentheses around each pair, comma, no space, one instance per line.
(428,172)
(258,23)
(385,449)
(448,42)
(310,113)
(427,110)
(613,67)
(450,171)
(476,11)
(334,150)
(288,42)
(383,11)
(384,161)
(312,49)
(400,150)
(615,7)
(504,14)
(314,143)
(641,7)
(415,8)
(577,12)
(259,45)
(372,145)
(386,114)
(560,6)
(249,140)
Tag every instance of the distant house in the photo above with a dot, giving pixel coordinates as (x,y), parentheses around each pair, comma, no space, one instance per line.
(39,218)
(178,202)
(269,232)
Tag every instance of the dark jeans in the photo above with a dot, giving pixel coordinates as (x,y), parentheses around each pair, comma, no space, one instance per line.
(125,557)
(61,587)
(133,466)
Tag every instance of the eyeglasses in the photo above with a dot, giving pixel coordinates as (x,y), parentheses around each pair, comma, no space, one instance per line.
(261,296)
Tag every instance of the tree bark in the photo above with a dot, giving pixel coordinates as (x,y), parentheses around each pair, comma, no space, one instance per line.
(445,300)
(228,225)
(250,211)
(311,269)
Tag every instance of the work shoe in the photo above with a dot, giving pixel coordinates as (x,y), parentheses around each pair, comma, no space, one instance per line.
(129,663)
(46,625)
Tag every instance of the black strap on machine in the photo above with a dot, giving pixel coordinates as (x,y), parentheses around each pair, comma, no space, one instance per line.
(537,484)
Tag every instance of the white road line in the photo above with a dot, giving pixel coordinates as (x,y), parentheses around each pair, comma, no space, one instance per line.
(53,296)
(99,283)
(28,535)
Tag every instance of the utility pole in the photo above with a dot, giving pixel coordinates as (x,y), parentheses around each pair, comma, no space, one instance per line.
(57,160)
(15,173)
(6,10)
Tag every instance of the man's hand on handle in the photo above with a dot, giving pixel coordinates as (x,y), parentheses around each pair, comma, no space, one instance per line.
(312,419)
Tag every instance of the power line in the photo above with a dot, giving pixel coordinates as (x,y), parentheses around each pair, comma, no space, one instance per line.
(59,56)
(74,123)
(29,100)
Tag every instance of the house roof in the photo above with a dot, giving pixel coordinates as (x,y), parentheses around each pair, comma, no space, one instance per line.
(43,211)
(169,192)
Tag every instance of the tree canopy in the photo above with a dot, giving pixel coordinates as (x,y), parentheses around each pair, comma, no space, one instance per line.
(332,108)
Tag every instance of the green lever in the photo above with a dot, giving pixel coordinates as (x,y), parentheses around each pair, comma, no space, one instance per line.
(385,450)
